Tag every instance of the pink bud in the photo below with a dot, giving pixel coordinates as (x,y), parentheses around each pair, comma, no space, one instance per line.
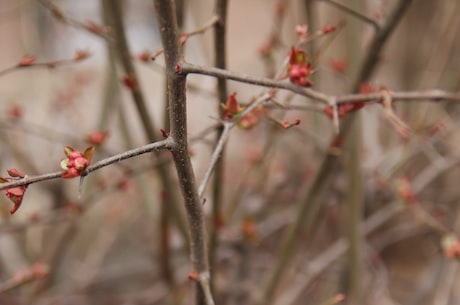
(15,173)
(81,163)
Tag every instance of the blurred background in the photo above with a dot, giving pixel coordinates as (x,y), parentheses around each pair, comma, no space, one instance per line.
(118,241)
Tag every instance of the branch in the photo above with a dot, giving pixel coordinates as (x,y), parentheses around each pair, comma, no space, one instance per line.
(165,144)
(184,36)
(28,62)
(90,27)
(220,61)
(122,49)
(186,68)
(434,95)
(228,125)
(215,157)
(372,56)
(354,13)
(178,117)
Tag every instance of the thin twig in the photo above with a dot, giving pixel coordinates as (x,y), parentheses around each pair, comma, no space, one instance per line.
(165,144)
(248,79)
(80,56)
(93,28)
(220,61)
(214,20)
(354,13)
(228,125)
(215,157)
(371,58)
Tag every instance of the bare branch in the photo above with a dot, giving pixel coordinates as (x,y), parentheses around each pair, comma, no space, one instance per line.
(165,144)
(249,79)
(215,157)
(178,117)
(434,95)
(90,27)
(354,13)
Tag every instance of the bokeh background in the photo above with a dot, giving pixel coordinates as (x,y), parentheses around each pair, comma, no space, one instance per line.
(106,244)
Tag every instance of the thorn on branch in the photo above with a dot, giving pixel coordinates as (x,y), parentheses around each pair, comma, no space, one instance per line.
(156,54)
(130,82)
(164,133)
(288,125)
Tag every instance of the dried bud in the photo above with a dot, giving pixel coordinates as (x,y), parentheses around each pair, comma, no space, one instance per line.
(130,82)
(81,55)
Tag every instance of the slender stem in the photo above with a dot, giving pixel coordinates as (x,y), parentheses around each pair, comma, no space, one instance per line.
(195,32)
(352,277)
(113,8)
(216,156)
(165,144)
(169,31)
(157,146)
(372,56)
(111,100)
(47,65)
(354,13)
(249,79)
(220,61)
(114,11)
(89,27)
(354,212)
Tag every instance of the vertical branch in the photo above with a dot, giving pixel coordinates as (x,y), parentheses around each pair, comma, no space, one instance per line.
(311,22)
(111,90)
(354,211)
(222,93)
(166,17)
(165,209)
(354,200)
(113,8)
(311,203)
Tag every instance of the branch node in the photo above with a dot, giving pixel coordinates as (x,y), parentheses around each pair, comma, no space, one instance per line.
(335,113)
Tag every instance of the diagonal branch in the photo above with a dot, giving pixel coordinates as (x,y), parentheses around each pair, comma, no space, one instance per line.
(354,13)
